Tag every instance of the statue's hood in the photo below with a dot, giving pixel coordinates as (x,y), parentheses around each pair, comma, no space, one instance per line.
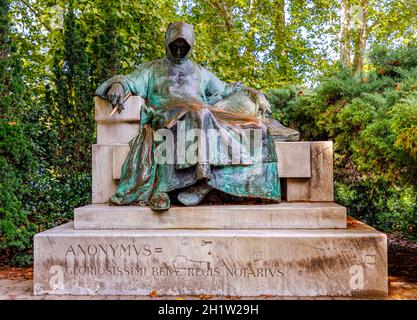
(177,30)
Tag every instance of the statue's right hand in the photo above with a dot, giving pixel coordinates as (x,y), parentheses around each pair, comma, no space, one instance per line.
(115,95)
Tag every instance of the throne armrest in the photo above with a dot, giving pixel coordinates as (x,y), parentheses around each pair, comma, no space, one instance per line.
(131,113)
(120,127)
(112,132)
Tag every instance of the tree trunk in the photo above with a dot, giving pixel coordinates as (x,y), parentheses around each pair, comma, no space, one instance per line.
(360,41)
(280,37)
(223,11)
(345,33)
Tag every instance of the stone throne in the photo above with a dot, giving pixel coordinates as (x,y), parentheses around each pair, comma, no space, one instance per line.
(303,246)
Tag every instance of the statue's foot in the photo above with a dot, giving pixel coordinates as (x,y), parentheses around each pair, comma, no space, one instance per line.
(195,194)
(280,132)
(160,201)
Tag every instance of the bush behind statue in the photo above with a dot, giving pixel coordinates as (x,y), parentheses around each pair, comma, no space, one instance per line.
(372,119)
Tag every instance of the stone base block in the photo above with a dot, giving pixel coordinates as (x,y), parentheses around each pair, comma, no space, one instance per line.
(325,215)
(112,133)
(319,187)
(294,160)
(342,262)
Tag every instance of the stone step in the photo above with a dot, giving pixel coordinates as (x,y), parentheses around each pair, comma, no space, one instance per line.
(303,215)
(285,262)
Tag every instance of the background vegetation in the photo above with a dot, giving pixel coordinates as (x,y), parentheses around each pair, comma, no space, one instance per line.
(344,70)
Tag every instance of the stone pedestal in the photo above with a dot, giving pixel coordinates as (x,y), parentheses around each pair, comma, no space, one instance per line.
(319,215)
(245,262)
(304,246)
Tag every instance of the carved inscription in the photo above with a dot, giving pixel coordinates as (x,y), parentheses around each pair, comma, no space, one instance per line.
(109,250)
(144,259)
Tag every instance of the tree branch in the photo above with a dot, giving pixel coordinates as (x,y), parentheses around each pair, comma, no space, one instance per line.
(223,11)
(36,14)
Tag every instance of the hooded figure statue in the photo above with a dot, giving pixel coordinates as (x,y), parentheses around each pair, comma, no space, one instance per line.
(197,133)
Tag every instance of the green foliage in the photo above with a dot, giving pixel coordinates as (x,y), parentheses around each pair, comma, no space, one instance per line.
(16,161)
(71,98)
(54,197)
(372,119)
(44,134)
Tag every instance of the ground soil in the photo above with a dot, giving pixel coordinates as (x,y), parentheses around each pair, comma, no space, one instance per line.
(402,258)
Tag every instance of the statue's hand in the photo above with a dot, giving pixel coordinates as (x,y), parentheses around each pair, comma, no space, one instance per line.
(115,95)
(261,101)
(263,104)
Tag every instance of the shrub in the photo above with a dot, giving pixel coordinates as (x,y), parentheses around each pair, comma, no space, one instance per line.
(372,119)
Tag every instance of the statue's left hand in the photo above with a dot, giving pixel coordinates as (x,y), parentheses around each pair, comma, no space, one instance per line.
(261,101)
(263,104)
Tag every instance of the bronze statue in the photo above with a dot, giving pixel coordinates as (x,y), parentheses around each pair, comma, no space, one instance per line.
(183,97)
